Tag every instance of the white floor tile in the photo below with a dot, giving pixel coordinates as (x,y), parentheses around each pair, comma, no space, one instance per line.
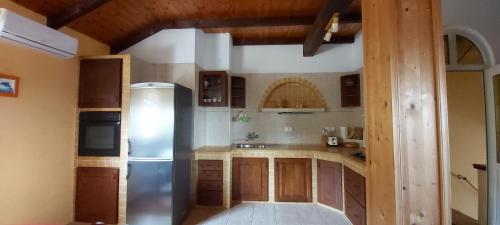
(268,214)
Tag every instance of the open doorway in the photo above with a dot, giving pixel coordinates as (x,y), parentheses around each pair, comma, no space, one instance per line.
(467,126)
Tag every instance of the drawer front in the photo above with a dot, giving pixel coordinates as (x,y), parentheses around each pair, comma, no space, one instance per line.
(209,175)
(354,211)
(355,185)
(209,185)
(210,164)
(213,198)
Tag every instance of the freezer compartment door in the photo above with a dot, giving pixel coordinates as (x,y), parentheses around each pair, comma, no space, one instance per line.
(149,193)
(151,133)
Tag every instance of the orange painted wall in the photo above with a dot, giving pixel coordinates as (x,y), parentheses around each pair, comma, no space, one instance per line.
(37,130)
(467,121)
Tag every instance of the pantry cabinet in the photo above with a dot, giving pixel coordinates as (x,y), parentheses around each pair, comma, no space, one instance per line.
(100,83)
(96,195)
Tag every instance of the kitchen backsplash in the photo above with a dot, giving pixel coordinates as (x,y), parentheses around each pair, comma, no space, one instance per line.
(306,128)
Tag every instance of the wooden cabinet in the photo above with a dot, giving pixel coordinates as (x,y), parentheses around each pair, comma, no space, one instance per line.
(238,92)
(97,195)
(209,187)
(350,90)
(100,83)
(213,88)
(250,179)
(355,197)
(330,184)
(293,180)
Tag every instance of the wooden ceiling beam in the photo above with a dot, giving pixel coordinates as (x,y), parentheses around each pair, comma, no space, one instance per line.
(315,37)
(289,41)
(218,23)
(73,12)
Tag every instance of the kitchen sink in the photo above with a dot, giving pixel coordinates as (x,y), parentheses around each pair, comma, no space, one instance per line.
(243,146)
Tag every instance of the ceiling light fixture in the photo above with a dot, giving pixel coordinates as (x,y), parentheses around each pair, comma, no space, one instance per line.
(332,27)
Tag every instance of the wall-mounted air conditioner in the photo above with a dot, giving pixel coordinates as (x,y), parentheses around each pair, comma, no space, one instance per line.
(25,31)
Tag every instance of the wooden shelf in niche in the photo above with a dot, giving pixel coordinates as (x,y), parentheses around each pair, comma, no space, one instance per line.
(213,88)
(350,91)
(238,92)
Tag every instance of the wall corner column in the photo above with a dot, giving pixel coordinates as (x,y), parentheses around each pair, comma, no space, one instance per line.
(406,113)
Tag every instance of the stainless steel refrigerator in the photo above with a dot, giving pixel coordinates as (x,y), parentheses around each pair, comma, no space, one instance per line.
(159,157)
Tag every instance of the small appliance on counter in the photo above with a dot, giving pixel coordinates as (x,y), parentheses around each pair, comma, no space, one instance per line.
(332,141)
(328,137)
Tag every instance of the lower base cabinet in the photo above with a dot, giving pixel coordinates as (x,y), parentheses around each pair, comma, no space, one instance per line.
(250,179)
(96,195)
(293,180)
(330,184)
(209,186)
(355,197)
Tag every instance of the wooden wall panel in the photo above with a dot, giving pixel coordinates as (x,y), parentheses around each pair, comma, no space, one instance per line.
(405,112)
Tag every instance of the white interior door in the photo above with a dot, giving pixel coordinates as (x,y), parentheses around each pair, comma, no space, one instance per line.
(492,86)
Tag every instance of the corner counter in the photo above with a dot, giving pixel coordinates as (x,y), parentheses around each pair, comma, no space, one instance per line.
(314,152)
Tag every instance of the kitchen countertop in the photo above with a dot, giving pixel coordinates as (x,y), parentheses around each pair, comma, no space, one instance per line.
(337,154)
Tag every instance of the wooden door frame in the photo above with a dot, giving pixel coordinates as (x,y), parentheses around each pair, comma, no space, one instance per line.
(403,43)
(491,143)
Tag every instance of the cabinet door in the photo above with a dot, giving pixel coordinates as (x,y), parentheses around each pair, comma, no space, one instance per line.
(330,184)
(213,89)
(97,195)
(355,185)
(293,180)
(100,83)
(250,178)
(354,211)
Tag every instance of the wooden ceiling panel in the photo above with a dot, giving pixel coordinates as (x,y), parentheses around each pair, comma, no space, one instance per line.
(281,34)
(117,20)
(46,7)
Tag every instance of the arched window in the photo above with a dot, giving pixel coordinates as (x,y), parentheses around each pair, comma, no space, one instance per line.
(462,52)
(466,49)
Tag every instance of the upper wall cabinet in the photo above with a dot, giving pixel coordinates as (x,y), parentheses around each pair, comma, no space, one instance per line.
(238,92)
(213,87)
(350,91)
(100,83)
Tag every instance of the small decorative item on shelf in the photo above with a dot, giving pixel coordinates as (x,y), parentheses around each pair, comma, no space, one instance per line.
(241,117)
(9,85)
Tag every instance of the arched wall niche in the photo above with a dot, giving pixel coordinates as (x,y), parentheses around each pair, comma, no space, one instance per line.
(292,92)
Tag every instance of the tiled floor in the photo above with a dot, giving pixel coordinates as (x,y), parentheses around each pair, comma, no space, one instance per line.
(268,214)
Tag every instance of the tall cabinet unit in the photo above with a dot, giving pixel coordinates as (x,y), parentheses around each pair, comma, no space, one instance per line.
(104,86)
(100,83)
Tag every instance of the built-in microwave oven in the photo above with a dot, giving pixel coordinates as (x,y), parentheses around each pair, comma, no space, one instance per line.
(99,134)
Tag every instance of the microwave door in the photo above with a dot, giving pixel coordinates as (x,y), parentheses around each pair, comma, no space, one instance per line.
(151,133)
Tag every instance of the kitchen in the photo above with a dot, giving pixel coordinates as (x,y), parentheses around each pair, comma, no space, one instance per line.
(285,121)
(277,132)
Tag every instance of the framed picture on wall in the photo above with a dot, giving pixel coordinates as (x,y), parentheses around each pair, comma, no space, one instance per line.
(9,85)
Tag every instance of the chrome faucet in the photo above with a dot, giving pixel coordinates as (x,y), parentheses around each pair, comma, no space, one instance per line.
(252,136)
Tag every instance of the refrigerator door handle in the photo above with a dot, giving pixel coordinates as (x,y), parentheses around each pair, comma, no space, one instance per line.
(129,147)
(136,159)
(129,167)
